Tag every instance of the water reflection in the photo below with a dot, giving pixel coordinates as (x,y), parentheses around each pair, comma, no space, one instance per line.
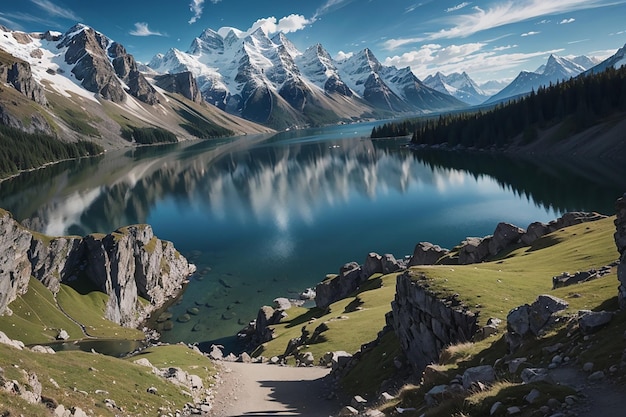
(266,217)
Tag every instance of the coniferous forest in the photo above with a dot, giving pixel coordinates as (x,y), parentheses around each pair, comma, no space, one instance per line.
(578,103)
(22,151)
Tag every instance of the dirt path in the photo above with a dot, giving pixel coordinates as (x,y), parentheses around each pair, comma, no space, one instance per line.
(602,397)
(269,390)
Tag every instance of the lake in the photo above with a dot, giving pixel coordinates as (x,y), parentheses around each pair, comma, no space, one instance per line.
(269,216)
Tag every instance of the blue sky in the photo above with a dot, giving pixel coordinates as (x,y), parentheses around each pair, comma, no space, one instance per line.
(488,39)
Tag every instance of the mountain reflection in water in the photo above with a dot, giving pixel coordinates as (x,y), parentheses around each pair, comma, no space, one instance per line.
(267,217)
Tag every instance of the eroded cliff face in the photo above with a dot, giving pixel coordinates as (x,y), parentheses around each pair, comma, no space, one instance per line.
(620,241)
(426,323)
(126,264)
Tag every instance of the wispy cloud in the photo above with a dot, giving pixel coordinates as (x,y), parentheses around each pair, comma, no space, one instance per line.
(142,29)
(509,12)
(287,24)
(531,33)
(504,48)
(330,6)
(457,7)
(415,6)
(56,11)
(566,21)
(578,41)
(471,57)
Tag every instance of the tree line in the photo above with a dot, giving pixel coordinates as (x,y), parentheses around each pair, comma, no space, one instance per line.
(578,103)
(21,151)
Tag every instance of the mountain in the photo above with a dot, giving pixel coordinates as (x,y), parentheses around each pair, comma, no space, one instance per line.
(269,81)
(458,85)
(556,69)
(617,60)
(492,87)
(82,83)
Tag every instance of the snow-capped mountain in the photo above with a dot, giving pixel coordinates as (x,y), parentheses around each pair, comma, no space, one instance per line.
(458,85)
(617,60)
(73,75)
(492,87)
(268,80)
(555,70)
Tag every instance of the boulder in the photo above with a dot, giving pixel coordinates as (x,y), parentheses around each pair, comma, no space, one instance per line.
(333,289)
(592,321)
(282,303)
(390,264)
(542,310)
(504,236)
(425,253)
(373,265)
(533,232)
(531,375)
(5,340)
(485,374)
(63,335)
(16,269)
(474,250)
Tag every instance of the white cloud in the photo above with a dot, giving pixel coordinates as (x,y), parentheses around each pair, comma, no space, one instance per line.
(566,21)
(287,24)
(142,29)
(504,48)
(504,13)
(330,6)
(341,55)
(197,7)
(457,7)
(544,22)
(531,33)
(58,11)
(471,57)
(391,44)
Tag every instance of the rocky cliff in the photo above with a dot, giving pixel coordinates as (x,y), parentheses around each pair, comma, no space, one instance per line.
(182,83)
(126,264)
(426,323)
(18,74)
(620,241)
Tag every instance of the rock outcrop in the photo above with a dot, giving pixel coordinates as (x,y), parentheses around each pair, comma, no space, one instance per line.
(15,268)
(620,241)
(425,323)
(126,68)
(18,74)
(126,264)
(183,83)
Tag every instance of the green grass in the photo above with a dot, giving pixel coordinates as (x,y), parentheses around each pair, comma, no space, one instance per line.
(79,375)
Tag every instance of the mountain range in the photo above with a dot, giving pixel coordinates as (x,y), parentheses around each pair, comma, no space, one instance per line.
(81,83)
(269,81)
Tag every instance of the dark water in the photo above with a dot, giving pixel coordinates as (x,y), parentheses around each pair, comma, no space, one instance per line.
(117,348)
(263,217)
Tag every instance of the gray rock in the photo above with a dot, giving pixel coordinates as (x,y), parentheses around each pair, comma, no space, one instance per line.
(306,359)
(531,375)
(63,335)
(591,321)
(216,352)
(620,242)
(542,310)
(16,268)
(496,407)
(385,397)
(484,374)
(339,287)
(425,253)
(511,411)
(533,396)
(5,340)
(282,303)
(390,264)
(505,235)
(358,402)
(373,265)
(588,367)
(435,395)
(183,83)
(348,411)
(596,376)
(515,364)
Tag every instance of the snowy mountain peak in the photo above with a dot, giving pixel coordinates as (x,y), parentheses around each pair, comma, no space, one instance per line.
(458,85)
(281,39)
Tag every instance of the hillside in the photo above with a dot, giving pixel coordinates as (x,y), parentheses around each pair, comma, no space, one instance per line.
(489,291)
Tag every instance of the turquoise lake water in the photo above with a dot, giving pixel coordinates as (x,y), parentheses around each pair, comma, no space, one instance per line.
(264,217)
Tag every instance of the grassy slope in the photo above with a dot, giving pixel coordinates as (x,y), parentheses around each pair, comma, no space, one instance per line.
(492,288)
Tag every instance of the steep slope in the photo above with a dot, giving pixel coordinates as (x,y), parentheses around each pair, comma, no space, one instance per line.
(616,60)
(82,83)
(556,69)
(392,89)
(256,77)
(458,85)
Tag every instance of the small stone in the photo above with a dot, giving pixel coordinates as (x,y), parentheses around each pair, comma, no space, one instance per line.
(63,335)
(495,408)
(348,411)
(533,396)
(557,359)
(554,404)
(570,400)
(511,411)
(152,390)
(596,376)
(588,367)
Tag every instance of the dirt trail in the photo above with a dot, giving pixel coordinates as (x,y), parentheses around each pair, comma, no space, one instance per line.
(602,397)
(263,390)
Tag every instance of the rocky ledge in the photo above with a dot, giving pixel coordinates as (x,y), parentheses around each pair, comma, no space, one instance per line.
(126,264)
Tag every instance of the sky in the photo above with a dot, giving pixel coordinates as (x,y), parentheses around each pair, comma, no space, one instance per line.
(490,40)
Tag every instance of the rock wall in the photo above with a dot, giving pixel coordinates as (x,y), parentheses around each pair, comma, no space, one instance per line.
(620,241)
(425,323)
(126,264)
